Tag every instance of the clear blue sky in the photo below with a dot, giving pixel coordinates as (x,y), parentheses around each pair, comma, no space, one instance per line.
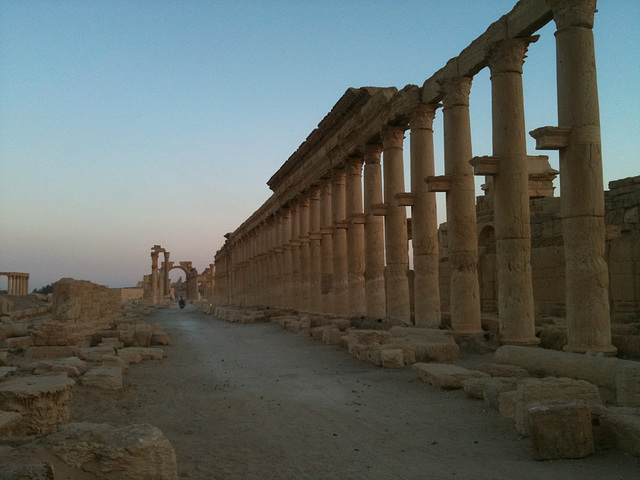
(125,124)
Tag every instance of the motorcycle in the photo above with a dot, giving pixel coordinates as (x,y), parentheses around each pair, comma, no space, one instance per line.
(182,303)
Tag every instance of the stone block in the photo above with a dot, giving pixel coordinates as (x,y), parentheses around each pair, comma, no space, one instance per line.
(628,387)
(317,332)
(108,378)
(502,370)
(113,361)
(160,338)
(553,337)
(305,324)
(445,375)
(95,354)
(507,404)
(17,343)
(6,371)
(370,353)
(494,386)
(622,425)
(42,400)
(561,429)
(366,337)
(331,335)
(474,387)
(433,351)
(532,391)
(408,354)
(391,358)
(146,353)
(8,420)
(627,345)
(71,366)
(341,323)
(51,352)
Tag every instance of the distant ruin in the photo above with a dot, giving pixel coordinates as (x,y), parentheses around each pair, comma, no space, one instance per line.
(17,283)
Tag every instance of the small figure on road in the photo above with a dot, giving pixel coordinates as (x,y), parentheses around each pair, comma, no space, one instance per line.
(182,303)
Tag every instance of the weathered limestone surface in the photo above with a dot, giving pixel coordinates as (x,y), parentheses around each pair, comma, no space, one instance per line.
(444,375)
(134,452)
(72,366)
(42,400)
(620,428)
(105,377)
(8,420)
(561,429)
(532,391)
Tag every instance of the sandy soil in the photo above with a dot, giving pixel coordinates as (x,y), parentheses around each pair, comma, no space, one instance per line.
(257,402)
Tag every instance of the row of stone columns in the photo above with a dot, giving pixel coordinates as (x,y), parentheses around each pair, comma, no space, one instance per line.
(340,250)
(17,283)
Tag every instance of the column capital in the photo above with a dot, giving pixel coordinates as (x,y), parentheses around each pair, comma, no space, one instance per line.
(508,55)
(456,91)
(313,192)
(573,13)
(354,165)
(392,136)
(338,176)
(372,153)
(422,116)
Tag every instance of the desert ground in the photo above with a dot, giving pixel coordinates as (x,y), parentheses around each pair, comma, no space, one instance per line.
(258,402)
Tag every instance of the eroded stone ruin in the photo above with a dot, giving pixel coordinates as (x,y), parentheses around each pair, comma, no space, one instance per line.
(328,253)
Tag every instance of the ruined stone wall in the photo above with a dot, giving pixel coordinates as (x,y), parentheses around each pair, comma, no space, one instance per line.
(80,308)
(131,293)
(622,202)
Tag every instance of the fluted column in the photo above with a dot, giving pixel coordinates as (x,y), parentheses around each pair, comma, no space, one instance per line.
(375,295)
(396,238)
(581,182)
(279,284)
(461,212)
(355,238)
(154,277)
(339,213)
(512,218)
(326,244)
(424,219)
(315,251)
(295,255)
(167,282)
(305,261)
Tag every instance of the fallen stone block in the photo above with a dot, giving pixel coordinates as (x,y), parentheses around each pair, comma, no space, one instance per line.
(305,324)
(331,335)
(507,404)
(435,351)
(160,338)
(501,370)
(95,354)
(89,450)
(408,354)
(42,400)
(7,370)
(108,378)
(444,375)
(366,337)
(494,386)
(317,332)
(622,426)
(113,361)
(561,429)
(51,352)
(341,323)
(628,387)
(474,387)
(71,366)
(370,353)
(146,353)
(8,420)
(17,343)
(481,342)
(111,342)
(391,358)
(531,391)
(627,345)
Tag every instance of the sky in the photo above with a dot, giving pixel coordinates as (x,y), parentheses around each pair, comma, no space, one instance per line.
(130,123)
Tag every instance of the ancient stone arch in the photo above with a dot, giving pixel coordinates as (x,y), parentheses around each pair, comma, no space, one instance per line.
(17,283)
(157,286)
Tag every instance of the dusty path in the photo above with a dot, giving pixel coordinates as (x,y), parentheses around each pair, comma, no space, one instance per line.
(257,402)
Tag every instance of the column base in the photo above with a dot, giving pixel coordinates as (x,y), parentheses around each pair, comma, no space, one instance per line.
(607,351)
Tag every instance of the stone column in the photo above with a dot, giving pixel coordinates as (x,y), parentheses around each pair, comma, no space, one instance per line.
(355,239)
(305,261)
(167,282)
(9,284)
(161,275)
(287,259)
(339,214)
(581,179)
(374,235)
(424,219)
(154,277)
(279,287)
(396,237)
(295,255)
(512,219)
(315,251)
(326,244)
(461,210)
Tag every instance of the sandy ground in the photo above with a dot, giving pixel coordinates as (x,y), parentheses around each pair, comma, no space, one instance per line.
(257,402)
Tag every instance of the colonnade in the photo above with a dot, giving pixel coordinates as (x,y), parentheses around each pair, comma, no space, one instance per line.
(333,239)
(17,283)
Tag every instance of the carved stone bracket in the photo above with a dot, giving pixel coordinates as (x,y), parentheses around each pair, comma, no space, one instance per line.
(551,138)
(405,199)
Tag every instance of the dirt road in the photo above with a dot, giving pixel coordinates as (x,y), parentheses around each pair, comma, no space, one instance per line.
(257,402)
